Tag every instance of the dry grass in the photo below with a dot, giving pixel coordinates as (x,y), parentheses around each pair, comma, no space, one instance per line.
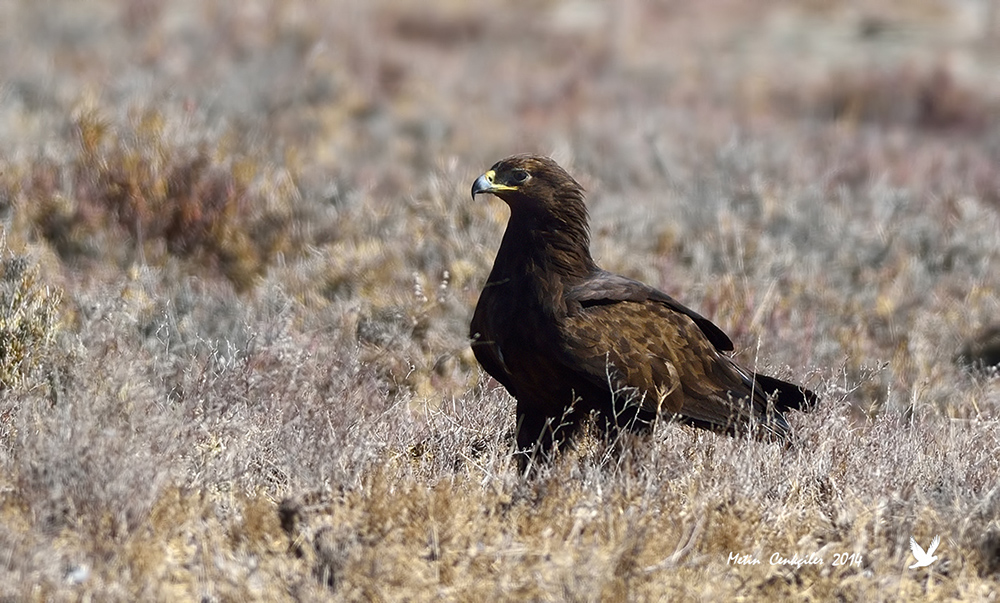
(239,261)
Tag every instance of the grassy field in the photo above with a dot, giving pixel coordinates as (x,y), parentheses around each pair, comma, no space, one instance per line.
(239,259)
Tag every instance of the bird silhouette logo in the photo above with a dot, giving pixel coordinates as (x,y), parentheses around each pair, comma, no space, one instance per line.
(924,558)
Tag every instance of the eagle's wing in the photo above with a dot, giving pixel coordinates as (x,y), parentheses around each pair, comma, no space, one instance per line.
(634,338)
(607,287)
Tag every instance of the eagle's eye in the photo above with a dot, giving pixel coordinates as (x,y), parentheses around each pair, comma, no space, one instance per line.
(518,176)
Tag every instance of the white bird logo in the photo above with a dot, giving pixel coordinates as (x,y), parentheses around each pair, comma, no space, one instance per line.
(924,559)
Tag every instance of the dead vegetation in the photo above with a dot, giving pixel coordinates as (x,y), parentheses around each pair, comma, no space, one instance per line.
(239,261)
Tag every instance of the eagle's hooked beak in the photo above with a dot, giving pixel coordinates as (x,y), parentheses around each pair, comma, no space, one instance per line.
(483,184)
(487,183)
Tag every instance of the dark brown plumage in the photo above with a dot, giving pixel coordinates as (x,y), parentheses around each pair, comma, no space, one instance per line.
(567,338)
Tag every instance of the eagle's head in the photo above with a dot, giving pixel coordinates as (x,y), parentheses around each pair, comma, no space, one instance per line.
(532,183)
(548,218)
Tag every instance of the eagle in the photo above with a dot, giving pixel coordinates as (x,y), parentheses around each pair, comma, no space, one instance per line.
(568,339)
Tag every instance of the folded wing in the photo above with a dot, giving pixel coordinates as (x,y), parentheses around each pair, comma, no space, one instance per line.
(667,359)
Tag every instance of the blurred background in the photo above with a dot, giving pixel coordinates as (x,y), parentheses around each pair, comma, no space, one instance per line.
(839,158)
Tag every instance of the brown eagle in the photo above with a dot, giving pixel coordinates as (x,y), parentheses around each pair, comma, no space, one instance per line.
(567,338)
